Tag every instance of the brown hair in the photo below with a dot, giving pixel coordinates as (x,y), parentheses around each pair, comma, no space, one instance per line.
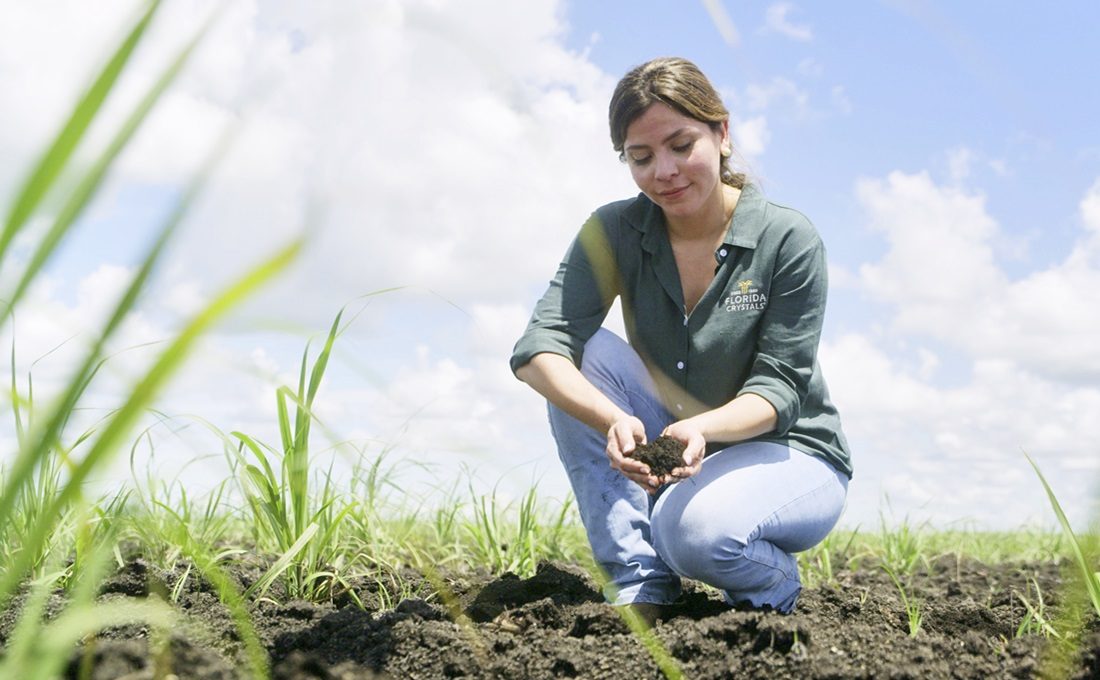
(678,83)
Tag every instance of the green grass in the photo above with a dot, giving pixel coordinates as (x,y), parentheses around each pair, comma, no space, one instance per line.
(301,523)
(1081,592)
(53,536)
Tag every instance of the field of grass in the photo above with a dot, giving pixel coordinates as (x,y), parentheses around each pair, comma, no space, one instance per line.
(285,571)
(132,565)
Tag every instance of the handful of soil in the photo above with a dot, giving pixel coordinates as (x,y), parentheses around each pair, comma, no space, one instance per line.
(662,455)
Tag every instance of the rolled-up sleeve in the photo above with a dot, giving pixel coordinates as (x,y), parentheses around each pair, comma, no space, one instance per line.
(577,300)
(786,349)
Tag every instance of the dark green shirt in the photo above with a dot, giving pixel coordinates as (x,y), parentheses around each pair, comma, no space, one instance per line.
(755,330)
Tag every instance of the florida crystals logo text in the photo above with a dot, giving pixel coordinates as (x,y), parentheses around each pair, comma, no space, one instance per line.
(748,297)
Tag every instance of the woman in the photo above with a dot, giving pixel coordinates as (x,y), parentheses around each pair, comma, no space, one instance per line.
(723,294)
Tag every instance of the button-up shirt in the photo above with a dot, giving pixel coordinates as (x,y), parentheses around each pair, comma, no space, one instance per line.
(755,330)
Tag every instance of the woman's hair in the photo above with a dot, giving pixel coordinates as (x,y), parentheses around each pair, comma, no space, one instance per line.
(678,83)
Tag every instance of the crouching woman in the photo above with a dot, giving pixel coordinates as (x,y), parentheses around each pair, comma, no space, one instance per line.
(723,295)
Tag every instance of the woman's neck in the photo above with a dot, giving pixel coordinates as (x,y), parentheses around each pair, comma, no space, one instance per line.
(710,222)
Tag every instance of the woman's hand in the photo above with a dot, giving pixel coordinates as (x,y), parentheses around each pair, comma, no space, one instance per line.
(622,437)
(695,449)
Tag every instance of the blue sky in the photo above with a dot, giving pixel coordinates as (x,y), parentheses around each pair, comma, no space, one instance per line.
(947,152)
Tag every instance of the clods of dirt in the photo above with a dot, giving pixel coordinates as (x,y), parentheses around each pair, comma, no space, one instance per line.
(662,455)
(556,625)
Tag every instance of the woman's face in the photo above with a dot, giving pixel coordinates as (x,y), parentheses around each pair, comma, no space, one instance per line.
(675,160)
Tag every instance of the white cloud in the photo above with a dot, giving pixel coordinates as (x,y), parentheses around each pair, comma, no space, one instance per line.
(751,136)
(427,151)
(776,19)
(939,269)
(958,164)
(839,97)
(941,275)
(777,92)
(437,161)
(1090,208)
(910,434)
(1013,371)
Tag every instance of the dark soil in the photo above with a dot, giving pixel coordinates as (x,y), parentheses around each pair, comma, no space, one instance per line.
(662,455)
(554,625)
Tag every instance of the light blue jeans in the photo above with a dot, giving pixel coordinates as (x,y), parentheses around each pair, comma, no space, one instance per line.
(733,525)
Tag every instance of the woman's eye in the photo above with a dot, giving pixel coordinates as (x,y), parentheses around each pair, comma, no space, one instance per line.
(683,148)
(639,161)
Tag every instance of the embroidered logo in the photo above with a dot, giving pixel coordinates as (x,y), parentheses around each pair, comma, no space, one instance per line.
(748,298)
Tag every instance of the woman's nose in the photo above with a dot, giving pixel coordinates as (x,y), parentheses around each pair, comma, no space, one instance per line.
(665,166)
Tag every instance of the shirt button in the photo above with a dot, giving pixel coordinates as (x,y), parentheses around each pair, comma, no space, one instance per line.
(680,365)
(722,252)
(679,407)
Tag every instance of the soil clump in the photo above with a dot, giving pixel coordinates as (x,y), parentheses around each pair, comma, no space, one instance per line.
(556,625)
(662,456)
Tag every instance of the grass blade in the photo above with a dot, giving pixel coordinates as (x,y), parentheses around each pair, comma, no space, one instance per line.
(1090,578)
(281,565)
(143,394)
(44,174)
(42,441)
(91,181)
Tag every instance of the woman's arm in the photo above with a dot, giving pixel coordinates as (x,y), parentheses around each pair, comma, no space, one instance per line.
(744,417)
(556,378)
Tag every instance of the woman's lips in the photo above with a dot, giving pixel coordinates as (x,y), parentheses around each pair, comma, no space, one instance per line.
(674,193)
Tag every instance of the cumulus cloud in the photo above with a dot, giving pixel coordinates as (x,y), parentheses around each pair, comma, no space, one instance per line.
(1009,368)
(910,431)
(431,156)
(1090,208)
(942,278)
(440,142)
(751,136)
(777,92)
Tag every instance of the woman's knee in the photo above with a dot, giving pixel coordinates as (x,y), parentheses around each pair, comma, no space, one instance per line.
(721,561)
(691,542)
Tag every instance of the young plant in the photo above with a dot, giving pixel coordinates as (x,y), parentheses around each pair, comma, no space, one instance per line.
(817,563)
(37,647)
(1085,559)
(1081,592)
(31,484)
(1035,620)
(901,548)
(914,608)
(44,438)
(303,531)
(501,545)
(167,519)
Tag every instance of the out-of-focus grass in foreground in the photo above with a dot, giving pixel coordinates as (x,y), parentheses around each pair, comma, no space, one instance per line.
(52,536)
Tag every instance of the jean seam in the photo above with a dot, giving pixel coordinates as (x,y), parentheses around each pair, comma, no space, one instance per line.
(756,531)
